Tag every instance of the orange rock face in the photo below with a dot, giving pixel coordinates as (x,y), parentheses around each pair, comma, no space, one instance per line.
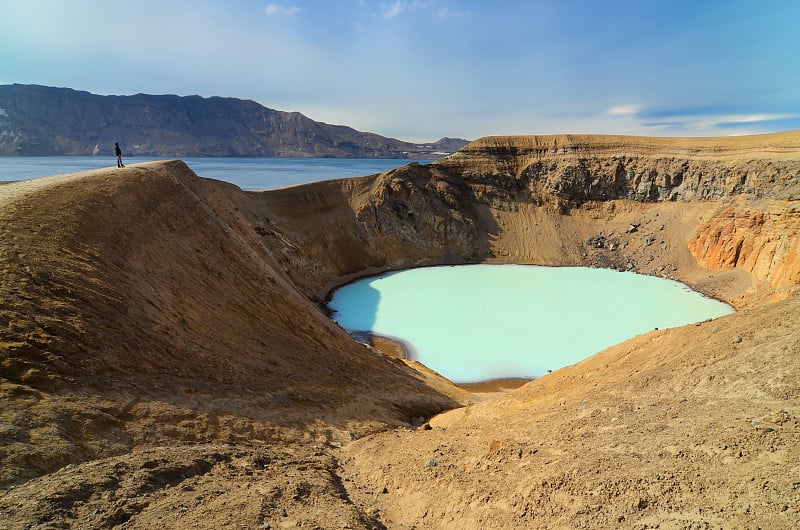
(165,361)
(764,243)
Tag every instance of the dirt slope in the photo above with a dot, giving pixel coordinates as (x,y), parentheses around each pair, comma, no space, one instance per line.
(165,362)
(153,318)
(695,427)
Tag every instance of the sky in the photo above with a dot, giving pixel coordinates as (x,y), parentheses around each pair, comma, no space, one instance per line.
(419,70)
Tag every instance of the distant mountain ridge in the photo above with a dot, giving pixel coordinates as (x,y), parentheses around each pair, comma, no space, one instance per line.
(40,121)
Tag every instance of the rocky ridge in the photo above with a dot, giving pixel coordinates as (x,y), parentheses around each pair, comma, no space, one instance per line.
(44,121)
(178,371)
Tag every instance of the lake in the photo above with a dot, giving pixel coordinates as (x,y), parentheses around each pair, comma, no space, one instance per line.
(247,173)
(475,323)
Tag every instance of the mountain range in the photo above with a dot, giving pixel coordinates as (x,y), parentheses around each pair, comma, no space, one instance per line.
(42,121)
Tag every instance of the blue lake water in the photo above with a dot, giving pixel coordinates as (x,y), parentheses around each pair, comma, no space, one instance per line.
(247,173)
(475,323)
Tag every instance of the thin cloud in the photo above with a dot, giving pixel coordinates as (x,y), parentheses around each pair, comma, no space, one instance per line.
(395,8)
(754,118)
(623,110)
(719,120)
(696,121)
(274,9)
(399,7)
(446,12)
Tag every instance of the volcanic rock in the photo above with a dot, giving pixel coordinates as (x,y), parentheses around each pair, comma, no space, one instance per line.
(165,360)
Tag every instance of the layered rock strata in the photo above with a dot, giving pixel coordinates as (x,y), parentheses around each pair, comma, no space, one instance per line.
(165,359)
(534,200)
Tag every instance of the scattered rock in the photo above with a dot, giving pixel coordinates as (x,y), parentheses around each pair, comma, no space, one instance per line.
(608,454)
(597,242)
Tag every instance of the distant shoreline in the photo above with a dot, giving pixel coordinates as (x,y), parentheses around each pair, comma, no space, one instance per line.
(249,173)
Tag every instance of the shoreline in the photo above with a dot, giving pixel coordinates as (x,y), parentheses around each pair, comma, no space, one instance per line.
(396,348)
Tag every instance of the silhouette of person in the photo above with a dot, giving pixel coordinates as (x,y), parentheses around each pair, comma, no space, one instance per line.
(118,151)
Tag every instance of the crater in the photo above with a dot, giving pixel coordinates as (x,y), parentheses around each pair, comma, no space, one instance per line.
(477,323)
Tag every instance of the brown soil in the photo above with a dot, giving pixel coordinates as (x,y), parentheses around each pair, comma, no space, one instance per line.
(165,361)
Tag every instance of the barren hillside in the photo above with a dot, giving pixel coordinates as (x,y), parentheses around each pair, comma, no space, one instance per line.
(166,362)
(44,121)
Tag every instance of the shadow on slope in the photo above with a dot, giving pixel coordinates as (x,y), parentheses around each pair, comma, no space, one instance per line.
(139,311)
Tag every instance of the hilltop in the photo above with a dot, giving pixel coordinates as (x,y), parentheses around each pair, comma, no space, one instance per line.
(166,361)
(42,121)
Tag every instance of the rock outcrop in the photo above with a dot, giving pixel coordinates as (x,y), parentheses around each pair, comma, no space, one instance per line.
(764,242)
(44,121)
(498,200)
(164,360)
(577,168)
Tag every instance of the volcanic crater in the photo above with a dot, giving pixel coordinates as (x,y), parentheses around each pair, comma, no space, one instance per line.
(166,361)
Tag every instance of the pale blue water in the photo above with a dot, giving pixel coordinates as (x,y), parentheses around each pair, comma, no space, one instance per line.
(474,323)
(247,173)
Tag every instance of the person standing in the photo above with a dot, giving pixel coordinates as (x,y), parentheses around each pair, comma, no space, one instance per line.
(118,152)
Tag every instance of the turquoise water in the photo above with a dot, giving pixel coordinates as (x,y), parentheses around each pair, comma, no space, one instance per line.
(247,173)
(474,323)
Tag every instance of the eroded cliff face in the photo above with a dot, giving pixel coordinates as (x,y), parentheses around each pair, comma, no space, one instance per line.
(536,199)
(158,329)
(576,168)
(765,242)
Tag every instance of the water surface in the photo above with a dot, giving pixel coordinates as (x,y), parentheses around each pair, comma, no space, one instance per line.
(247,173)
(474,323)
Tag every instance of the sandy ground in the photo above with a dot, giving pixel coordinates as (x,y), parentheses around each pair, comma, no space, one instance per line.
(165,361)
(662,431)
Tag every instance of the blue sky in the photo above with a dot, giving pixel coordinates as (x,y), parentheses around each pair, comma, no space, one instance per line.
(422,69)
